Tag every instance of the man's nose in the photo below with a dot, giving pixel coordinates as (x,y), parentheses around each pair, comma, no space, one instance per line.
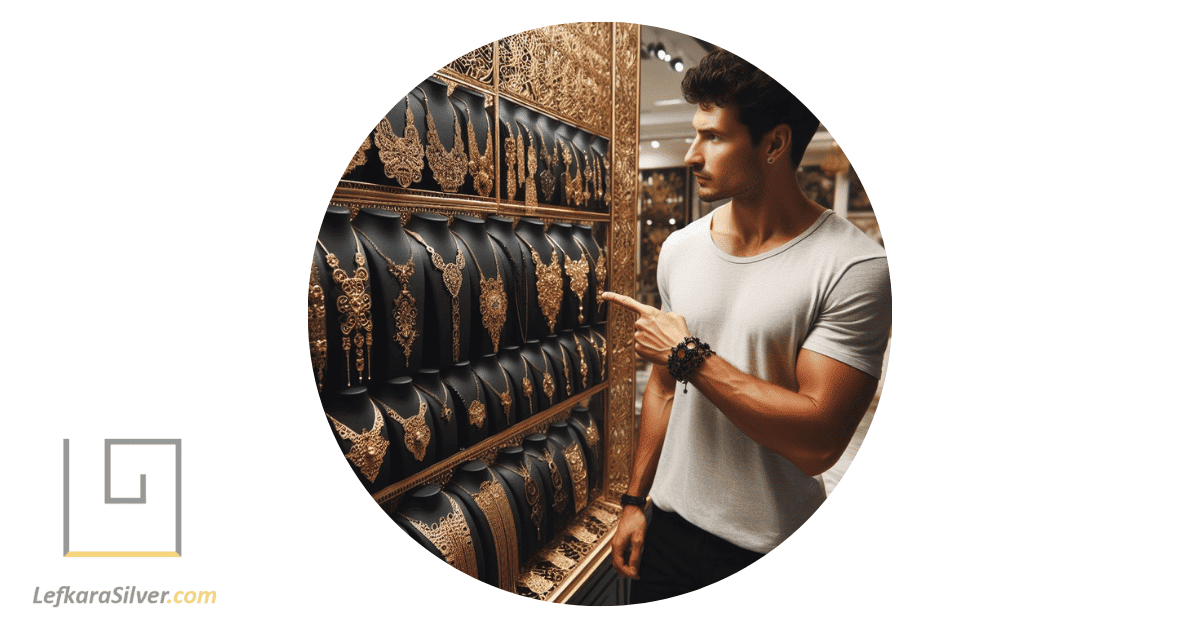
(692,157)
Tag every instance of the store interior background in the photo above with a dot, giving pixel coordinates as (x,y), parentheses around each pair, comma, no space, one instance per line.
(667,201)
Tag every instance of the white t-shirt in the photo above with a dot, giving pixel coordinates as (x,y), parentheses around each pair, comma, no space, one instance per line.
(826,290)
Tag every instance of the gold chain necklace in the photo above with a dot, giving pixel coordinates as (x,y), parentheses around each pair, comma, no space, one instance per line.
(476,411)
(368,448)
(493,300)
(572,191)
(481,167)
(404,308)
(600,350)
(317,343)
(449,168)
(447,412)
(452,537)
(403,157)
(550,157)
(533,497)
(452,277)
(531,174)
(416,430)
(506,399)
(355,306)
(526,383)
(547,376)
(549,283)
(560,496)
(522,285)
(493,501)
(583,365)
(566,367)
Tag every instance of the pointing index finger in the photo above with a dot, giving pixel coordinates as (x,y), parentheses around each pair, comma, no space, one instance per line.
(633,304)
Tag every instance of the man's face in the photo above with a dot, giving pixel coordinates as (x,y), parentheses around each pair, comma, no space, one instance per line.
(725,162)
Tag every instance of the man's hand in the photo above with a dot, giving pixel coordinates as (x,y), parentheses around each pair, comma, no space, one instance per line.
(628,540)
(656,333)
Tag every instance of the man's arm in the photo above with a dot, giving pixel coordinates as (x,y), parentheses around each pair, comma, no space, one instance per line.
(631,528)
(811,426)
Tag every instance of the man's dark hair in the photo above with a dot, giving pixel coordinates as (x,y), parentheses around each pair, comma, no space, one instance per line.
(723,78)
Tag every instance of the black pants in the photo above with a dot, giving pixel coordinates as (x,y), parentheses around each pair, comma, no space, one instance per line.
(678,558)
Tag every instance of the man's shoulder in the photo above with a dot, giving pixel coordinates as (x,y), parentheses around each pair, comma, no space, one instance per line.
(691,234)
(842,239)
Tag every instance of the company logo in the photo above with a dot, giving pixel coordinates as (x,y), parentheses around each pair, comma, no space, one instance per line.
(126,526)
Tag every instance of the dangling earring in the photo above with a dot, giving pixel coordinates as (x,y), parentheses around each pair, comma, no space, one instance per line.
(770,160)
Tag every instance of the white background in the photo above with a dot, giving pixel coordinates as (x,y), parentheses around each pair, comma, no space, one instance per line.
(166,169)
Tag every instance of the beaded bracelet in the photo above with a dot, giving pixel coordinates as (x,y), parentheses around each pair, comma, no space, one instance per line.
(685,358)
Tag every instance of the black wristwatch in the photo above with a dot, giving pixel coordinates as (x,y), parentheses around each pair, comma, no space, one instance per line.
(630,500)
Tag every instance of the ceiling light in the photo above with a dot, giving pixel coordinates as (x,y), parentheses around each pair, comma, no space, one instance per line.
(654,144)
(677,65)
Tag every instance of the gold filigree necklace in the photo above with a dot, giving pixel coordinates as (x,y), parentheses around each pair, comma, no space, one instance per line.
(447,411)
(452,278)
(476,411)
(600,349)
(578,468)
(493,300)
(550,158)
(549,283)
(449,167)
(368,448)
(560,496)
(403,157)
(452,537)
(317,343)
(601,271)
(511,160)
(527,383)
(577,270)
(416,430)
(481,168)
(354,304)
(404,308)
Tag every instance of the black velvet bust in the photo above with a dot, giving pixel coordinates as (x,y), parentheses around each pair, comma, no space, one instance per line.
(447,319)
(547,386)
(491,277)
(524,380)
(494,508)
(412,425)
(441,404)
(572,450)
(533,500)
(362,435)
(499,389)
(545,277)
(475,412)
(440,522)
(516,261)
(545,455)
(577,276)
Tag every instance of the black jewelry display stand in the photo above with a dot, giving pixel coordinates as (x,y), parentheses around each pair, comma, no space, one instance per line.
(440,349)
(365,440)
(467,160)
(412,425)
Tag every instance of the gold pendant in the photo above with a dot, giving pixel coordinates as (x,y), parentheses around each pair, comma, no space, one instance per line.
(577,270)
(449,167)
(368,448)
(477,413)
(493,306)
(317,343)
(548,386)
(549,287)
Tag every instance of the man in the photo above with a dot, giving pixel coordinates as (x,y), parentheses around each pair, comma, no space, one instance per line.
(794,303)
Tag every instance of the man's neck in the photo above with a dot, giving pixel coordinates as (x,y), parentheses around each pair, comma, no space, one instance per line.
(756,222)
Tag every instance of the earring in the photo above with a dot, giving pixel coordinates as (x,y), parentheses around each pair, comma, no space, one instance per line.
(770,160)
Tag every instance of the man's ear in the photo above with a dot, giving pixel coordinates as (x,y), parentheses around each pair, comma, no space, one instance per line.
(779,142)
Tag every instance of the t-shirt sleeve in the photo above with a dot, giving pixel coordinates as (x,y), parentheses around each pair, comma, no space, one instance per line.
(854,325)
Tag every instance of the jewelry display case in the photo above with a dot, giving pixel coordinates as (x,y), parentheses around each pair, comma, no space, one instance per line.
(456,330)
